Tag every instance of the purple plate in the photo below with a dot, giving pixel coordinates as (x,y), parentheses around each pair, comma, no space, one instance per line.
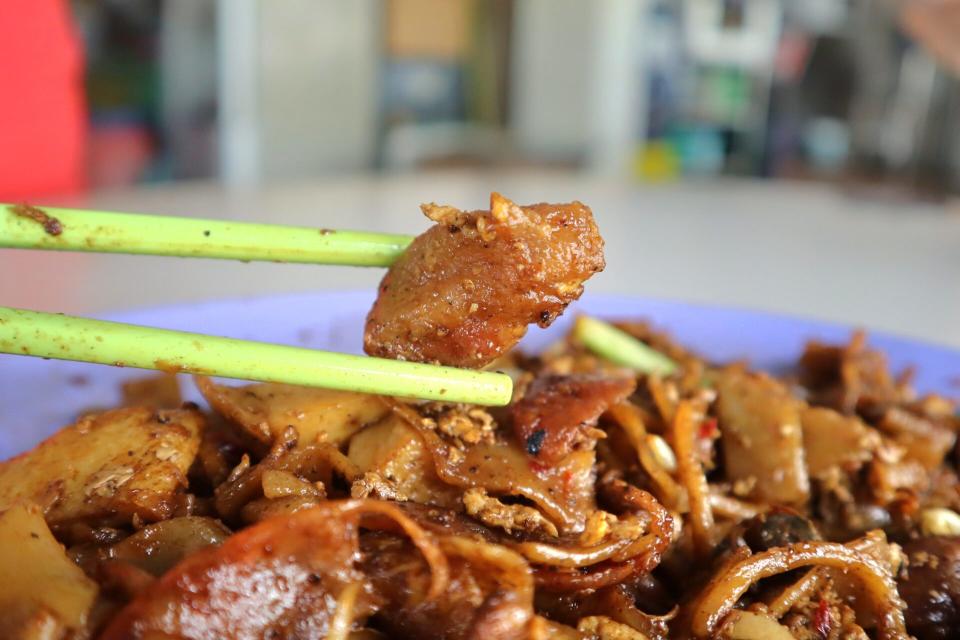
(37,396)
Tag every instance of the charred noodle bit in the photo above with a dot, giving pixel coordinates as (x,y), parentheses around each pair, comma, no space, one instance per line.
(558,412)
(466,290)
(725,589)
(685,425)
(264,580)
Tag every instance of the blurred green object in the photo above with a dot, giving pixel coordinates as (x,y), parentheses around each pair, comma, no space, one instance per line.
(620,347)
(724,96)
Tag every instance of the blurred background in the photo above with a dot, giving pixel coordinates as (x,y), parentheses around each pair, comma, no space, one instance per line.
(782,154)
(247,90)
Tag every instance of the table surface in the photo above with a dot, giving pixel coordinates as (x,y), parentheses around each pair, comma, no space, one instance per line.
(799,248)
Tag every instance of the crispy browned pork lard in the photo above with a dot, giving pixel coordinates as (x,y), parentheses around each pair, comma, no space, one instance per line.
(465,291)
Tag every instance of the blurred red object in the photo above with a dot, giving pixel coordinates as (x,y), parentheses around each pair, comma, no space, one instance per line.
(119,151)
(42,113)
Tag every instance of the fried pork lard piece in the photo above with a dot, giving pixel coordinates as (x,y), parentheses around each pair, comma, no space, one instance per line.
(465,291)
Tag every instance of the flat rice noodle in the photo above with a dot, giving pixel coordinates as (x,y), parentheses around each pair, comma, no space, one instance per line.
(762,437)
(731,508)
(157,547)
(888,479)
(852,591)
(729,584)
(313,463)
(555,410)
(557,579)
(264,508)
(641,555)
(285,577)
(107,468)
(573,555)
(562,570)
(490,593)
(265,410)
(923,440)
(564,492)
(41,589)
(396,452)
(847,377)
(832,439)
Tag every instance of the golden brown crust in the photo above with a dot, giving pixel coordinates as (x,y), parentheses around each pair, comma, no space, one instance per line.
(466,289)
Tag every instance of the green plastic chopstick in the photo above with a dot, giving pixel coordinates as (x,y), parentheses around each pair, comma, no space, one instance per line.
(61,337)
(57,229)
(66,338)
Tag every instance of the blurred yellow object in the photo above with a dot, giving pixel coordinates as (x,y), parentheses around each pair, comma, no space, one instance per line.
(657,161)
(428,29)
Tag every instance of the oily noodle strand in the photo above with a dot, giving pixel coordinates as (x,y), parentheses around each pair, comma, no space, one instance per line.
(611,548)
(646,551)
(424,542)
(629,419)
(513,571)
(685,423)
(343,618)
(726,588)
(796,592)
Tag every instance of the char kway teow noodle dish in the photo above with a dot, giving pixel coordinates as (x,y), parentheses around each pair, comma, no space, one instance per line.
(631,490)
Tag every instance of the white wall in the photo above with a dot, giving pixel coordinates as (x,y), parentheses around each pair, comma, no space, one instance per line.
(299,85)
(577,90)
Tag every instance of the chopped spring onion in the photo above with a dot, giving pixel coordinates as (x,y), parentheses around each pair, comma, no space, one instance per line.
(620,347)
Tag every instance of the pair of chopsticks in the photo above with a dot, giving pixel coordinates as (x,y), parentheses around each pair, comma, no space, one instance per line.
(62,337)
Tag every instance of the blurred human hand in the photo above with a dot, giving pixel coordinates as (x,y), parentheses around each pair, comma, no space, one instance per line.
(935,24)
